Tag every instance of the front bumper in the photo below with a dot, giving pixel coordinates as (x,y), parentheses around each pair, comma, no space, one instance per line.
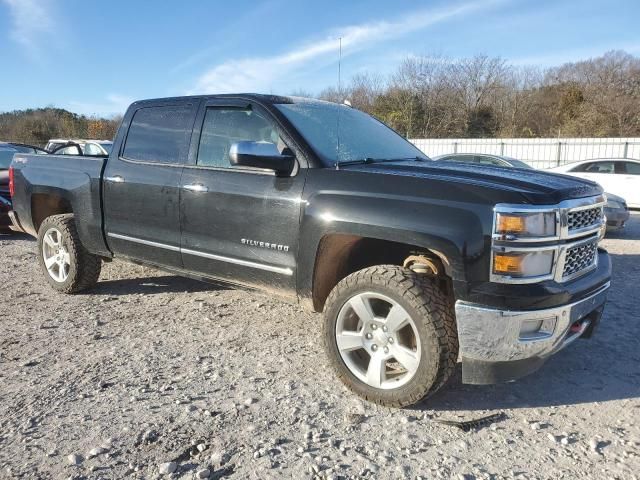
(503,345)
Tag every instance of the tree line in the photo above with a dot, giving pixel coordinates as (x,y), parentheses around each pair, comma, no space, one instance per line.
(481,96)
(37,126)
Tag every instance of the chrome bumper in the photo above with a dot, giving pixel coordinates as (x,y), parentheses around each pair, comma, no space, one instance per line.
(503,345)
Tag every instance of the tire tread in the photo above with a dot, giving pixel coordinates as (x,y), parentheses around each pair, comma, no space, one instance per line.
(88,266)
(423,294)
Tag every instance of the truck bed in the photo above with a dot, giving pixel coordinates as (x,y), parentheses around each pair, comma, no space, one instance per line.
(74,181)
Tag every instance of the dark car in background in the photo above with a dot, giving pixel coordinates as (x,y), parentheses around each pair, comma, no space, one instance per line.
(7,150)
(483,159)
(5,221)
(616,211)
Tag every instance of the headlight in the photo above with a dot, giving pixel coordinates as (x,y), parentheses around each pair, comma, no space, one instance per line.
(523,264)
(536,224)
(617,205)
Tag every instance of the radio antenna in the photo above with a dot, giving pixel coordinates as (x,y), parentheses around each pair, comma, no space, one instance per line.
(339,65)
(339,96)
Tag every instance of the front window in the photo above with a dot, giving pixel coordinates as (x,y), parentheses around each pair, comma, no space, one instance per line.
(224,126)
(595,167)
(338,133)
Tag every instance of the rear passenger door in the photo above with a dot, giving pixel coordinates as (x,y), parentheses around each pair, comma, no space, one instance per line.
(239,224)
(142,183)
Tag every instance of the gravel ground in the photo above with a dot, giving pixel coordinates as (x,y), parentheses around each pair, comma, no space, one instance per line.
(151,374)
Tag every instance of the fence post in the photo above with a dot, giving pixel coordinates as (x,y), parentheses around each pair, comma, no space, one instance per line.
(626,149)
(455,147)
(559,154)
(501,148)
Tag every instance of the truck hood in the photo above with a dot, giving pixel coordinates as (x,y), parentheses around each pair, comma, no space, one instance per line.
(538,187)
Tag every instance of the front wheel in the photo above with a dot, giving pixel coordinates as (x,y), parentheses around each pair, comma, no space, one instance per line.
(390,335)
(67,265)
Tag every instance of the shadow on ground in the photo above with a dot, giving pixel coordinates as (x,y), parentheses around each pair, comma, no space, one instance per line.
(152,286)
(16,236)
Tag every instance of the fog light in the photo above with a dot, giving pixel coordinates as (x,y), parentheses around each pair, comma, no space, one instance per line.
(537,329)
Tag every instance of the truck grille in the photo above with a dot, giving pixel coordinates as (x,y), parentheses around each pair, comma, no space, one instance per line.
(584,218)
(580,258)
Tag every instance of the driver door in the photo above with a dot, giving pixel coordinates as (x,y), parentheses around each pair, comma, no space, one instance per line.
(239,224)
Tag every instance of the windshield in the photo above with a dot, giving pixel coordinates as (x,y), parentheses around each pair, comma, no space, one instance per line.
(338,133)
(51,146)
(107,147)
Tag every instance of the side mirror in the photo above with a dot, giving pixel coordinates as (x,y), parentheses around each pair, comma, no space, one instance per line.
(260,155)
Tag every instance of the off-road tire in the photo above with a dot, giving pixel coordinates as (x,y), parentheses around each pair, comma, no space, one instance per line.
(433,314)
(85,267)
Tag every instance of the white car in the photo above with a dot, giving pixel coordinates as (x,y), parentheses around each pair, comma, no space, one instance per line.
(620,176)
(88,147)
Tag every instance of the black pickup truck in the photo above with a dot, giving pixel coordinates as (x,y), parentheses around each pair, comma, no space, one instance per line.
(415,264)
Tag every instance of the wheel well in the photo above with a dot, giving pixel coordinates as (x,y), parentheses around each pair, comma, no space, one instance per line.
(44,205)
(340,255)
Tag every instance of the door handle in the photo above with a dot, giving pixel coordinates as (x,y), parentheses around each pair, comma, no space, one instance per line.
(115,179)
(196,187)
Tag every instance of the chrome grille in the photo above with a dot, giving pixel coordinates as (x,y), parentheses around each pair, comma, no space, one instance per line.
(579,258)
(584,218)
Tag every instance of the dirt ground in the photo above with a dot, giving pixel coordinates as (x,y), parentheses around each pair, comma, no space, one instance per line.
(150,369)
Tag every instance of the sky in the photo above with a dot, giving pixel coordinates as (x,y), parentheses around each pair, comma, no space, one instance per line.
(96,57)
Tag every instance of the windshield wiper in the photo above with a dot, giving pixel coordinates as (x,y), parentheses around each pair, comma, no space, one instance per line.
(368,160)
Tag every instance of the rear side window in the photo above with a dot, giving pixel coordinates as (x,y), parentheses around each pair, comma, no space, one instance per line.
(632,168)
(159,134)
(92,149)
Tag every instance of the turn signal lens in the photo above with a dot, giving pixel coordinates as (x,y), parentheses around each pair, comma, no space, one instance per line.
(510,224)
(506,263)
(523,264)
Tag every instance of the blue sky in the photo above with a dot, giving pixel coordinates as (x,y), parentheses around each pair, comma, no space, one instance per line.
(95,57)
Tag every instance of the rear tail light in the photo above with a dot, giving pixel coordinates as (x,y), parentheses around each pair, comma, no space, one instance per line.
(12,186)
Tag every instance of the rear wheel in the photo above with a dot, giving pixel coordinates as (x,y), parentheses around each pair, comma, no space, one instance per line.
(67,265)
(390,335)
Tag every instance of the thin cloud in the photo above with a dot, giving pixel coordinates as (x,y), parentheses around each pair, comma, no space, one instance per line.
(228,33)
(32,23)
(573,55)
(262,73)
(113,104)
